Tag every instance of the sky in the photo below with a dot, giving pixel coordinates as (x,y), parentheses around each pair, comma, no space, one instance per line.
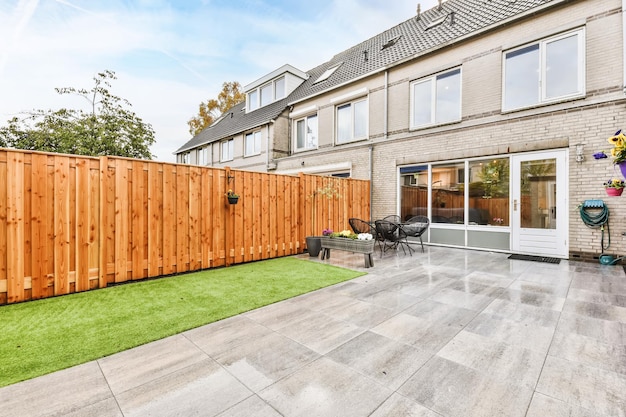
(169,56)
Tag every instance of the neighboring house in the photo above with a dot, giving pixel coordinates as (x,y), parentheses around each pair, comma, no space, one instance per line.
(470,113)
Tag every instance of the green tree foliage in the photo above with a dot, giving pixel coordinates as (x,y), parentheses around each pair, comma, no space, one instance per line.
(108,128)
(208,112)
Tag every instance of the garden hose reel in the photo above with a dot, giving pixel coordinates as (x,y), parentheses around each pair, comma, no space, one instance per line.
(595,214)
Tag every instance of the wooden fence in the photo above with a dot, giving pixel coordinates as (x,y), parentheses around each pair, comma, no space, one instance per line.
(73,223)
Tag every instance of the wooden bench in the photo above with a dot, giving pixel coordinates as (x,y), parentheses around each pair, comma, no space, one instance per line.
(366,247)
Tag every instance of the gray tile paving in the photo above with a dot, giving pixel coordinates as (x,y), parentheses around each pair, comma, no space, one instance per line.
(445,333)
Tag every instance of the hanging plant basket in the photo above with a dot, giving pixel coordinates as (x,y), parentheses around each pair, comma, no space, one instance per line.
(233,200)
(614,192)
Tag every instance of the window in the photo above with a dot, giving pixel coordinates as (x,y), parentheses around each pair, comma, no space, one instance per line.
(252,144)
(352,121)
(253,100)
(279,88)
(489,192)
(436,99)
(448,199)
(266,95)
(186,157)
(228,148)
(306,133)
(546,71)
(327,74)
(203,156)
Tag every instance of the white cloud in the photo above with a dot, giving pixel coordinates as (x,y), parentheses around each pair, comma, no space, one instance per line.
(170,58)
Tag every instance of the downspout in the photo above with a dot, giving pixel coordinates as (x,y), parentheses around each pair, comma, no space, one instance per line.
(371,162)
(385,103)
(267,151)
(624,45)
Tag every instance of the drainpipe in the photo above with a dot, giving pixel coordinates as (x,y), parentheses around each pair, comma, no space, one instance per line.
(624,44)
(371,162)
(267,152)
(385,102)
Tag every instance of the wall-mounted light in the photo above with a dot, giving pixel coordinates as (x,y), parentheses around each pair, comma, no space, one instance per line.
(579,152)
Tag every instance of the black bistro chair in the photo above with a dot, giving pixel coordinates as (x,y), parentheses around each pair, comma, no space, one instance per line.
(392,235)
(415,227)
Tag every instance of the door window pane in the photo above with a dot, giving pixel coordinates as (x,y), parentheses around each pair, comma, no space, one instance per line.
(538,194)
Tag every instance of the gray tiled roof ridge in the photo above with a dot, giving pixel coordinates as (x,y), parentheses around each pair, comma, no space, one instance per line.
(416,39)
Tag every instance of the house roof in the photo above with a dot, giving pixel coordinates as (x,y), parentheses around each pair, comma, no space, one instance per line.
(415,37)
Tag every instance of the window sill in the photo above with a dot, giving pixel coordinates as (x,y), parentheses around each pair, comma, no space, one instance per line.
(545,104)
(434,125)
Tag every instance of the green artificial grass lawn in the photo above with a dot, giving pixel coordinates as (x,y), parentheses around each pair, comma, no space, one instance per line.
(39,337)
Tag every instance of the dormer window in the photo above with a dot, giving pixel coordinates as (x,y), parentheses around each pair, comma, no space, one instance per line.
(266,94)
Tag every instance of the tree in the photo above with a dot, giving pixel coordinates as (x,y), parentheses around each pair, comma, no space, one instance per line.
(108,128)
(208,113)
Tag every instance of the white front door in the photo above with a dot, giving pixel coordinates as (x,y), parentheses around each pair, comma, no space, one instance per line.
(539,217)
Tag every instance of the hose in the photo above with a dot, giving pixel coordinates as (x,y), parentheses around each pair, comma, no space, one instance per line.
(601,220)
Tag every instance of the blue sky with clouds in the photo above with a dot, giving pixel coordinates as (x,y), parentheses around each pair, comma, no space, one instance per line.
(171,55)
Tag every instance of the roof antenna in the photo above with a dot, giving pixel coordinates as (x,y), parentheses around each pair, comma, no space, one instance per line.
(419,11)
(439,8)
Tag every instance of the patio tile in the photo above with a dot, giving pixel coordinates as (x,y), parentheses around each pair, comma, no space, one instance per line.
(105,408)
(279,315)
(225,335)
(360,313)
(512,332)
(50,394)
(386,361)
(265,360)
(489,279)
(441,313)
(611,332)
(394,301)
(589,351)
(534,299)
(417,332)
(321,333)
(134,367)
(452,389)
(595,310)
(584,386)
(325,388)
(398,405)
(201,389)
(497,359)
(555,290)
(466,299)
(578,294)
(600,285)
(252,406)
(542,406)
(523,313)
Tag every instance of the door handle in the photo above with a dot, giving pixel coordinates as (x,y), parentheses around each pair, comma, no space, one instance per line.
(514,205)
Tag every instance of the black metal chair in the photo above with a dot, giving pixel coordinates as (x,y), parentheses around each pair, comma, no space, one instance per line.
(393,218)
(416,226)
(392,235)
(362,226)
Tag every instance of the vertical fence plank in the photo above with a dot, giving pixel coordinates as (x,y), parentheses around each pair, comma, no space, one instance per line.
(195,201)
(155,208)
(15,227)
(39,224)
(182,219)
(169,219)
(121,220)
(137,220)
(206,218)
(83,203)
(61,225)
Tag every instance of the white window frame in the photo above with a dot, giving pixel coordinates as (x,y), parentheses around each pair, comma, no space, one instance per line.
(186,157)
(434,119)
(352,104)
(229,146)
(305,120)
(542,84)
(256,137)
(255,99)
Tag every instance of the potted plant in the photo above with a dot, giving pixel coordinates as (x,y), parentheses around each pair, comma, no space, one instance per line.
(232,196)
(313,243)
(614,187)
(618,152)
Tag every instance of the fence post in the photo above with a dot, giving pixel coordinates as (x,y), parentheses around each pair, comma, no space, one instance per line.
(229,219)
